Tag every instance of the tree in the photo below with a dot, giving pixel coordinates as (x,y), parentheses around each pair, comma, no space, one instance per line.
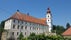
(43,37)
(21,36)
(53,28)
(60,29)
(67,25)
(32,36)
(1,28)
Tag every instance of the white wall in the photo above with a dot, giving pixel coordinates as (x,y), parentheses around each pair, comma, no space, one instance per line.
(9,25)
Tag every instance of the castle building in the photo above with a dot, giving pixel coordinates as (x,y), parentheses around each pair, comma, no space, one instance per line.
(26,24)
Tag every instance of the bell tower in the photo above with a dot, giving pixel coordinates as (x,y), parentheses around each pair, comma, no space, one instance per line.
(49,19)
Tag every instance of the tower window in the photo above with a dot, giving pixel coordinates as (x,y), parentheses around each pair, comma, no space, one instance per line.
(48,20)
(48,16)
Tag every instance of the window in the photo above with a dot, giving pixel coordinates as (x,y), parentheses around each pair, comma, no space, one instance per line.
(25,27)
(18,27)
(22,22)
(30,28)
(21,27)
(25,33)
(48,16)
(14,21)
(25,22)
(17,33)
(33,28)
(18,21)
(37,28)
(13,26)
(48,20)
(12,33)
(30,23)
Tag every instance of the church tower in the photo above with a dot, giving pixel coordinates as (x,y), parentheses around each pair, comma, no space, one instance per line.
(49,19)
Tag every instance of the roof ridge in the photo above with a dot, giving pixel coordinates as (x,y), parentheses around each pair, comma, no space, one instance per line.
(28,15)
(25,17)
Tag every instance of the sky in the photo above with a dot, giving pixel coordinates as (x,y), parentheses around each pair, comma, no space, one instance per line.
(60,9)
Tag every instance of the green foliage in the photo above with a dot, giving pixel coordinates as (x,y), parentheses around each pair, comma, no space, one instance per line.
(2,24)
(53,29)
(32,34)
(1,28)
(20,36)
(67,25)
(58,29)
(43,37)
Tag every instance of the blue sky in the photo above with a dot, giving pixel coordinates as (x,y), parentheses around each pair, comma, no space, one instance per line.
(61,9)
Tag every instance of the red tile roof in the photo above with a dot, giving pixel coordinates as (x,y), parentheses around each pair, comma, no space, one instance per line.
(67,32)
(44,19)
(24,17)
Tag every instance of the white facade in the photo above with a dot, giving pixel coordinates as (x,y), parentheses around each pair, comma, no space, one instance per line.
(15,27)
(49,21)
(8,24)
